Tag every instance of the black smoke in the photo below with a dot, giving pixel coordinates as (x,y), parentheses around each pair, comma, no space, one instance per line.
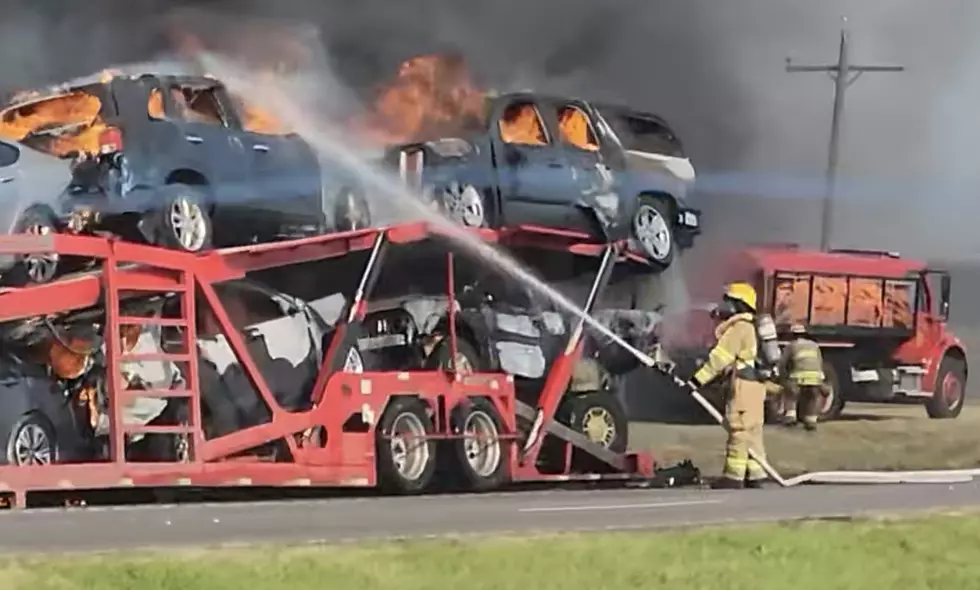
(714,69)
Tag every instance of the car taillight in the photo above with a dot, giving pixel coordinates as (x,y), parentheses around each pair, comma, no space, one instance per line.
(110,141)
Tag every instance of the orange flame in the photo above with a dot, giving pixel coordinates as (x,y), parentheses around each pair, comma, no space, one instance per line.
(73,118)
(430,96)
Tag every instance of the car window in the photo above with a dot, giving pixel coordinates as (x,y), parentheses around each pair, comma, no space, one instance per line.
(576,129)
(647,135)
(258,120)
(521,124)
(154,106)
(197,104)
(8,155)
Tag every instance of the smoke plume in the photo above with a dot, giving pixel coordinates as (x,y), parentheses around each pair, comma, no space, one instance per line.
(715,70)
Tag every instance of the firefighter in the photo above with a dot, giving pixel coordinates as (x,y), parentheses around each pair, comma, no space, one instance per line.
(801,372)
(733,358)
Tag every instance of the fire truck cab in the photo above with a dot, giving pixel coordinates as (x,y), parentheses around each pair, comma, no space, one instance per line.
(880,319)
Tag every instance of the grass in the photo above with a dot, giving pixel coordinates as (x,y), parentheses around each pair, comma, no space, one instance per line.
(868,437)
(934,552)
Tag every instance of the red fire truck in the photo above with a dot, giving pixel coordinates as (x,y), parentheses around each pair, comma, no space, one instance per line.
(880,319)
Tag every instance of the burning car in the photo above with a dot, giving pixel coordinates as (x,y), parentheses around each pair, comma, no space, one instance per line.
(176,161)
(530,159)
(54,406)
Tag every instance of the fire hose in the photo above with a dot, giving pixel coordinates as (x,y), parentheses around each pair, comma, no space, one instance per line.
(828,477)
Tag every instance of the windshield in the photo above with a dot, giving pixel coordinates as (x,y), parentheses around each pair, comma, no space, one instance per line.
(61,125)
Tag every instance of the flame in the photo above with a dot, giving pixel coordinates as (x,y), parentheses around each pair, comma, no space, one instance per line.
(77,112)
(520,124)
(258,120)
(430,96)
(575,129)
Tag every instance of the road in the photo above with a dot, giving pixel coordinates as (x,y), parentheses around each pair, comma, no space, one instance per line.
(346,519)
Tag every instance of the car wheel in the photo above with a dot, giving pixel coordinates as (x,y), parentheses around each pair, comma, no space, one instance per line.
(949,393)
(462,203)
(406,459)
(601,417)
(467,359)
(184,221)
(480,458)
(31,441)
(38,220)
(351,211)
(653,232)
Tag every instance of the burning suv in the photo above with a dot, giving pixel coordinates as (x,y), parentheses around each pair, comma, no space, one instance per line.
(558,162)
(159,158)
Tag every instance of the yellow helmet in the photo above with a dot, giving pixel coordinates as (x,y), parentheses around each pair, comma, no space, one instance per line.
(797,329)
(743,292)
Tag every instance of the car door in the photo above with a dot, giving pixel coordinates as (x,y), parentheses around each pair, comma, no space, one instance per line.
(536,184)
(284,169)
(214,147)
(594,181)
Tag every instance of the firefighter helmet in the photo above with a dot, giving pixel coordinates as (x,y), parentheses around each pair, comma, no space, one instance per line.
(743,292)
(798,329)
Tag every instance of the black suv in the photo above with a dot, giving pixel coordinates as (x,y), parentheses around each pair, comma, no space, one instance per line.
(161,158)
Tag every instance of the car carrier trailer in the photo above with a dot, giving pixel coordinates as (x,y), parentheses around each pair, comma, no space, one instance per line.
(348,436)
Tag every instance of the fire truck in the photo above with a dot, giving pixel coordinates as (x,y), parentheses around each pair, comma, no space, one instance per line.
(67,405)
(881,321)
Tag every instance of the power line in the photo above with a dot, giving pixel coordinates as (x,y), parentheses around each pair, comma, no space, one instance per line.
(843,73)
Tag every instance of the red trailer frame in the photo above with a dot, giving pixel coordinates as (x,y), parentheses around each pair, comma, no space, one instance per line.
(343,458)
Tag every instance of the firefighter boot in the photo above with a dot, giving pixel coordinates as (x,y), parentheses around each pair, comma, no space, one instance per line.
(727,483)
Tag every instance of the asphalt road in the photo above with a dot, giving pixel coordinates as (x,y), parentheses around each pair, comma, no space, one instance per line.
(340,520)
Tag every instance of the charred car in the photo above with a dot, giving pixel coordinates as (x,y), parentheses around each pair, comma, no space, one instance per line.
(54,402)
(562,163)
(510,332)
(177,161)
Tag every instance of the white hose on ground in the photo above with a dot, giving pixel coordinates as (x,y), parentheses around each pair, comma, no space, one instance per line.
(837,477)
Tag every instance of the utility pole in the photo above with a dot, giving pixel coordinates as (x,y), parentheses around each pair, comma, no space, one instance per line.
(843,73)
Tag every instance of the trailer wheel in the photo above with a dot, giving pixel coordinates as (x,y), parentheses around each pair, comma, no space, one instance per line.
(481,457)
(833,405)
(406,459)
(950,391)
(31,441)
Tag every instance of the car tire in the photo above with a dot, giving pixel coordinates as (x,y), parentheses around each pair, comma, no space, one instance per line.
(405,467)
(480,458)
(579,412)
(467,356)
(183,223)
(950,390)
(37,220)
(350,211)
(31,441)
(652,232)
(462,203)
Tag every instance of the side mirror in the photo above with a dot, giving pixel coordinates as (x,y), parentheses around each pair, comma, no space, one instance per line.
(945,288)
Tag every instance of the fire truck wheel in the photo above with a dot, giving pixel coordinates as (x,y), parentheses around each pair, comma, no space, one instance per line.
(31,441)
(183,223)
(600,416)
(833,404)
(948,396)
(406,459)
(481,456)
(38,220)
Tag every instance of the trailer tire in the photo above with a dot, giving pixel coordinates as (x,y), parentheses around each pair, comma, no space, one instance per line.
(486,466)
(834,407)
(579,412)
(405,467)
(950,390)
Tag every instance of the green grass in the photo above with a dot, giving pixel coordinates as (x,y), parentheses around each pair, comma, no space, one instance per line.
(933,552)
